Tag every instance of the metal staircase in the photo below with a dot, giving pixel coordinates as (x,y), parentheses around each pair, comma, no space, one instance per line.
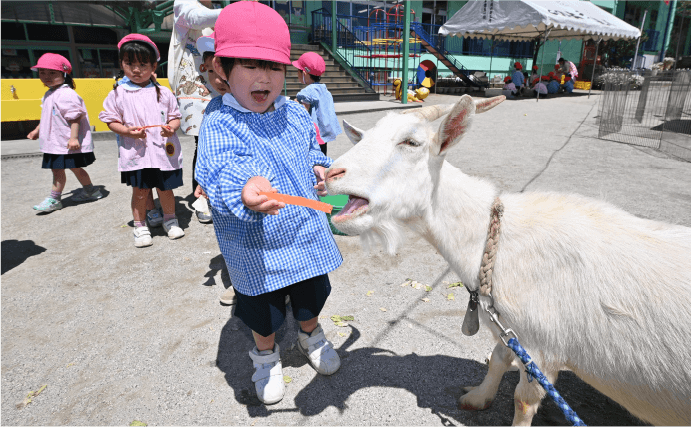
(437,49)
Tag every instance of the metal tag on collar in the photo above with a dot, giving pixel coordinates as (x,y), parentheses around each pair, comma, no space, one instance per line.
(471,322)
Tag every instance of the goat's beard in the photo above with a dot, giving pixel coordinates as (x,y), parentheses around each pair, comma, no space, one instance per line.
(387,232)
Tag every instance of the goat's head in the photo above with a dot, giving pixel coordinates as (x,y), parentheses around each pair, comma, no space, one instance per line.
(391,173)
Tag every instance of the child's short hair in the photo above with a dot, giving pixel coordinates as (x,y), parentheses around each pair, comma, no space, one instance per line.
(208,55)
(315,78)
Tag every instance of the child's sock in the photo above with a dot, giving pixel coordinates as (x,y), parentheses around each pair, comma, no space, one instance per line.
(167,217)
(139,224)
(57,195)
(89,188)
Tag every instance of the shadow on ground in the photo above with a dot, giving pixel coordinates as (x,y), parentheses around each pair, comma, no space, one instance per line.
(15,252)
(436,381)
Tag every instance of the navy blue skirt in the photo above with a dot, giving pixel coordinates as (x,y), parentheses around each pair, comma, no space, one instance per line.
(67,161)
(152,178)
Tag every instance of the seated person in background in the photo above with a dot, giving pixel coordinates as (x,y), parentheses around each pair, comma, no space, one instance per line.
(568,84)
(538,87)
(509,89)
(534,74)
(553,85)
(517,77)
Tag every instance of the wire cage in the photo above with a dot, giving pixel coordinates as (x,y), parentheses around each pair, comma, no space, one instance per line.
(648,109)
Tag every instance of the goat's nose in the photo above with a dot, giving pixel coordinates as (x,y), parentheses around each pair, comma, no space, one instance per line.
(335,174)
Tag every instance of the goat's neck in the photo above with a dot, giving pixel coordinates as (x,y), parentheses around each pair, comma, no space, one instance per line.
(457,220)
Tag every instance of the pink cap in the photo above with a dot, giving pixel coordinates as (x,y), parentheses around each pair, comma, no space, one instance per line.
(206,44)
(248,29)
(312,63)
(140,38)
(53,61)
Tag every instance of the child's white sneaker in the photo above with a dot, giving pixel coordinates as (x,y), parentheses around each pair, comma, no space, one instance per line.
(319,351)
(173,229)
(268,375)
(142,237)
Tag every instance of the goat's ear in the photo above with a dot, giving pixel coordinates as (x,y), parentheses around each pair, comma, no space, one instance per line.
(482,105)
(354,134)
(456,124)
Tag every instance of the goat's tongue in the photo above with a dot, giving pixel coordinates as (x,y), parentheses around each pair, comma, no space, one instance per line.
(354,203)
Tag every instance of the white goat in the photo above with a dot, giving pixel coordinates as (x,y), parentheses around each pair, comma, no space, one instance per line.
(585,286)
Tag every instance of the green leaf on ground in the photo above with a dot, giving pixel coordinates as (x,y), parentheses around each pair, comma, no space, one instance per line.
(342,334)
(138,423)
(370,293)
(455,285)
(287,379)
(30,397)
(406,283)
(450,297)
(428,288)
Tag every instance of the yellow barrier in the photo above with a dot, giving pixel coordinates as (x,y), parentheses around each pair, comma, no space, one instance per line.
(24,103)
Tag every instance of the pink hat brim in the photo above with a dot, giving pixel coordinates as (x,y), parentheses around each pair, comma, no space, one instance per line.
(297,65)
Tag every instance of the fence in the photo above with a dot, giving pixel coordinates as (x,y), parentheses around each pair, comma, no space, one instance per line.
(647,109)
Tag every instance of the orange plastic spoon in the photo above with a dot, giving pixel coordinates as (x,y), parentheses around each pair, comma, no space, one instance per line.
(299,201)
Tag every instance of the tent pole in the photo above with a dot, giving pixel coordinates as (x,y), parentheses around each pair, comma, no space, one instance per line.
(635,56)
(492,57)
(592,77)
(542,60)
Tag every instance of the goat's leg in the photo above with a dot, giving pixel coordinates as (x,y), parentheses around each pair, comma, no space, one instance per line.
(480,397)
(528,396)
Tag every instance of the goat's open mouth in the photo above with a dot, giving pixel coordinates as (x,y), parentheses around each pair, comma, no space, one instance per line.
(356,206)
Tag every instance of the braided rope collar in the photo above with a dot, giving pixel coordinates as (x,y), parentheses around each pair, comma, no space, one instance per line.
(490,254)
(471,323)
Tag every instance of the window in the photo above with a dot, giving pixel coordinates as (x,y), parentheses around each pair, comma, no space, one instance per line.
(15,63)
(94,35)
(43,32)
(13,31)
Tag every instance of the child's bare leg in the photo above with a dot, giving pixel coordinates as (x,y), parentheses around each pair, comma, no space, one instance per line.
(309,325)
(139,198)
(167,200)
(264,343)
(59,180)
(150,200)
(82,176)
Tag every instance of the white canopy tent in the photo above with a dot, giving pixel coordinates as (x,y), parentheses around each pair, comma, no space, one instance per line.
(523,20)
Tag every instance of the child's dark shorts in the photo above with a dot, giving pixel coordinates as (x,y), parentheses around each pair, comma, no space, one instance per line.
(67,161)
(265,313)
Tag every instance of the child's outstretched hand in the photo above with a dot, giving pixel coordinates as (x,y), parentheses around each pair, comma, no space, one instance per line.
(320,173)
(260,203)
(73,144)
(136,132)
(167,131)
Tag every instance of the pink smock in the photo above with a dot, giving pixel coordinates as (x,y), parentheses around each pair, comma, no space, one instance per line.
(60,106)
(133,105)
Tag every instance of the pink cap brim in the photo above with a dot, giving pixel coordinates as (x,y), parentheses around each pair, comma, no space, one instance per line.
(297,65)
(259,53)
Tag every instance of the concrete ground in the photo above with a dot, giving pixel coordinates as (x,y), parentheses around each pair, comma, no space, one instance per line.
(118,334)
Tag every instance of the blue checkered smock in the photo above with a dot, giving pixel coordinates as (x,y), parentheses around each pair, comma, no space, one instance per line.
(321,110)
(265,252)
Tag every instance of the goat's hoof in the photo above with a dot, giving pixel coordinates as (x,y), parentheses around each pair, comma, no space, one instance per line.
(473,400)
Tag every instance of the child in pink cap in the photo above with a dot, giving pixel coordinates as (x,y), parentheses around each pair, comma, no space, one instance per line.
(257,142)
(64,131)
(316,98)
(145,116)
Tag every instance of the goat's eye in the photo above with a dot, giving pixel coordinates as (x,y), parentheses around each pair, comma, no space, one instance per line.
(410,143)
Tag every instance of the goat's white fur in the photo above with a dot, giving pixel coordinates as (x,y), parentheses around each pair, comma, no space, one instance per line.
(586,286)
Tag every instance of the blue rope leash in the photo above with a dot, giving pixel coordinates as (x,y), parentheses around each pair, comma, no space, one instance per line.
(534,372)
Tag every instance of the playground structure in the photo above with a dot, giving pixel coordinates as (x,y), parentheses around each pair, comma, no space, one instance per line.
(373,47)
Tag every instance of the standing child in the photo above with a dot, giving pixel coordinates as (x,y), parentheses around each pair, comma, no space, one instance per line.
(257,142)
(518,77)
(206,47)
(316,97)
(145,116)
(65,132)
